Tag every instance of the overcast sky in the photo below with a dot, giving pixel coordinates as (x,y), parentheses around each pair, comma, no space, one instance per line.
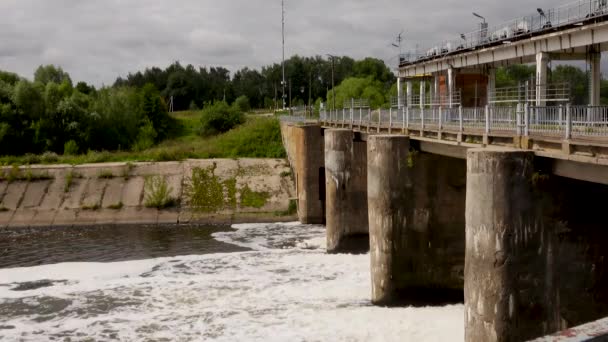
(99,40)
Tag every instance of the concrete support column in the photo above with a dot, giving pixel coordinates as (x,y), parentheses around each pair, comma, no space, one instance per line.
(399,93)
(451,82)
(422,93)
(387,180)
(409,92)
(509,286)
(346,191)
(542,62)
(595,79)
(491,83)
(310,178)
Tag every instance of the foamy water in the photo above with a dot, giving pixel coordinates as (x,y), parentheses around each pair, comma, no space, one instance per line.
(287,289)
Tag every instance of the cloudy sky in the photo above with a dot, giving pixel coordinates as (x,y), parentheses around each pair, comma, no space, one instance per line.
(99,40)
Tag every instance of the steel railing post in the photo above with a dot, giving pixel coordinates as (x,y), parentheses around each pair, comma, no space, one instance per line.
(440,118)
(568,121)
(403,117)
(379,120)
(407,117)
(390,120)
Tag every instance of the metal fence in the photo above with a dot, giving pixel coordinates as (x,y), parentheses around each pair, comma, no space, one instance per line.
(573,13)
(563,121)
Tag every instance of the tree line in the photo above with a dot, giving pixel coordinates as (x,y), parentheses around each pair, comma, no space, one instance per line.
(308,80)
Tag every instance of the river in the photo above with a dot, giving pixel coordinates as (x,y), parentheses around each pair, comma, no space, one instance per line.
(252,282)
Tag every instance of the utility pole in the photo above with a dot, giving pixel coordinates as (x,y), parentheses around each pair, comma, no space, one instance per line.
(333,86)
(283,35)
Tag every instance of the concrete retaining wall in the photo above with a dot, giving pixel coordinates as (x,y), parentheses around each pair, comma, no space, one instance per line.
(246,190)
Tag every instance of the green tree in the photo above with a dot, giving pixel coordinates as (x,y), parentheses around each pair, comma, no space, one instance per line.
(242,104)
(50,73)
(356,88)
(154,108)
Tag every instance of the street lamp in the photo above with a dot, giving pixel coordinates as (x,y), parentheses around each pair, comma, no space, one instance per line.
(333,86)
(480,17)
(483,32)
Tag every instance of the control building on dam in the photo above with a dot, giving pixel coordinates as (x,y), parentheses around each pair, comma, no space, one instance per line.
(465,191)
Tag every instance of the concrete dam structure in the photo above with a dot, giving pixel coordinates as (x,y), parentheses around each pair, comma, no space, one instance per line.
(494,226)
(469,192)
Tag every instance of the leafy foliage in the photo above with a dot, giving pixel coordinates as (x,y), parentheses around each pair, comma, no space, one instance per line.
(219,118)
(158,193)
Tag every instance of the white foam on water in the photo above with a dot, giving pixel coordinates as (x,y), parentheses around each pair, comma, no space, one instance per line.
(287,289)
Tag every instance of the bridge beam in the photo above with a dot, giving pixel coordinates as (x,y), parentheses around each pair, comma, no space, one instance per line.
(346,191)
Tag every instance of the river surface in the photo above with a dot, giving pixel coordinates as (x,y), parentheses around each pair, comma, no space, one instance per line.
(254,282)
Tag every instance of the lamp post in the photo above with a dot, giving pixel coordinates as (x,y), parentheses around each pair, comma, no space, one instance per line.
(333,86)
(483,32)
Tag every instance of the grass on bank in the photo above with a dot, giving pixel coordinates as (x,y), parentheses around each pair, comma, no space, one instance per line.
(258,137)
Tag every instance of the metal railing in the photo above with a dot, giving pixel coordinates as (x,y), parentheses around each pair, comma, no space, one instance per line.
(563,121)
(526,92)
(573,13)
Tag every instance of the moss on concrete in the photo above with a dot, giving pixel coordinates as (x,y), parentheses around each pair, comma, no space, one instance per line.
(253,199)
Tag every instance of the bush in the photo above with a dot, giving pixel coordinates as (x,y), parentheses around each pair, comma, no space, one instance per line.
(158,193)
(220,118)
(70,148)
(146,136)
(242,104)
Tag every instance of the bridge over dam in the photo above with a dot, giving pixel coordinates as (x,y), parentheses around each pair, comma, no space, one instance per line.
(468,192)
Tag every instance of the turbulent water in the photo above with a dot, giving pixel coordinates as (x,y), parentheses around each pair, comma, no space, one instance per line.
(285,288)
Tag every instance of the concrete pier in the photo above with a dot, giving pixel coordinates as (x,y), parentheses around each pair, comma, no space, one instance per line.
(416,216)
(510,289)
(346,191)
(310,173)
(387,175)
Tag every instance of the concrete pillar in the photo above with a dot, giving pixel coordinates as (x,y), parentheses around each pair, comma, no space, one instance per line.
(310,169)
(595,79)
(542,62)
(399,93)
(387,174)
(451,83)
(509,286)
(491,83)
(436,98)
(409,92)
(422,93)
(346,191)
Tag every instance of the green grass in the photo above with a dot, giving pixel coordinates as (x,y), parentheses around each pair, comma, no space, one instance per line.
(258,137)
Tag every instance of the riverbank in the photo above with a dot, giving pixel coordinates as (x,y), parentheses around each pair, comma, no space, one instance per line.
(192,191)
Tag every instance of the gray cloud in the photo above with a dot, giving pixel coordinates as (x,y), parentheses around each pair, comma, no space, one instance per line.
(97,41)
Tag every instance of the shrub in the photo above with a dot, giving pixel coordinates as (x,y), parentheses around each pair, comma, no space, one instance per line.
(158,193)
(219,118)
(70,148)
(49,157)
(146,136)
(242,104)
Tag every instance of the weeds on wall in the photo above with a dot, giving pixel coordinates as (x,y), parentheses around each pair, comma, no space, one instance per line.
(158,193)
